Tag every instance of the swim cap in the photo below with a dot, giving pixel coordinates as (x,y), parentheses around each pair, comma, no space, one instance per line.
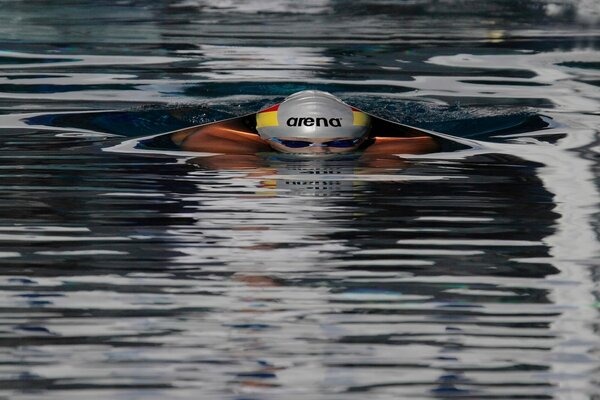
(312,114)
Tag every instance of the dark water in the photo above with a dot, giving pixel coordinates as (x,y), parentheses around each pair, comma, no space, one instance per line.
(137,274)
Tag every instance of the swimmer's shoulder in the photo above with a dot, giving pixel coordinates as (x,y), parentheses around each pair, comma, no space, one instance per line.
(230,137)
(406,145)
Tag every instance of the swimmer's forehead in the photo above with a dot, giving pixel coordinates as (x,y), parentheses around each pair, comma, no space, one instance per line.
(312,114)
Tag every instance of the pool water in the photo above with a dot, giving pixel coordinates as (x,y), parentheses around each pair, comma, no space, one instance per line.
(132,272)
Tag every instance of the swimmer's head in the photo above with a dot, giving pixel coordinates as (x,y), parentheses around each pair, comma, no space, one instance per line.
(313,122)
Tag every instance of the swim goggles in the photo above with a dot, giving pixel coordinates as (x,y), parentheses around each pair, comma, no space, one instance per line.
(296,144)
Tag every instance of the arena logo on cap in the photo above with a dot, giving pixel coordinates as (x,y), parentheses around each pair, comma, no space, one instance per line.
(318,122)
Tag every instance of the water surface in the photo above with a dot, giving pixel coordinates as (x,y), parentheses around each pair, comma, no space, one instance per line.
(137,274)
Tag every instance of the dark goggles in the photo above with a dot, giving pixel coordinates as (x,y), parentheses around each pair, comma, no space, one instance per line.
(296,144)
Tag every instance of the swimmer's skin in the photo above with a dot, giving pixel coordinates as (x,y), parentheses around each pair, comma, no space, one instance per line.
(232,137)
(229,137)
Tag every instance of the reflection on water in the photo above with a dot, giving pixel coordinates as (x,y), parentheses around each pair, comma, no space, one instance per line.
(153,273)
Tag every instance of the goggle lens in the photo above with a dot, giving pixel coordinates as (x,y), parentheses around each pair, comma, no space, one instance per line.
(296,144)
(342,143)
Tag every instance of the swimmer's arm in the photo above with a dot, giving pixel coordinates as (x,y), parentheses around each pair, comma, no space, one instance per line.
(403,145)
(229,137)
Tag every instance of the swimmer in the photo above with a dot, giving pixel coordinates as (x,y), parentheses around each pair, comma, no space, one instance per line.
(308,123)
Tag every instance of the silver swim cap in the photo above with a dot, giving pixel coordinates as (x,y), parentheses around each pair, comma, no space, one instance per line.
(312,114)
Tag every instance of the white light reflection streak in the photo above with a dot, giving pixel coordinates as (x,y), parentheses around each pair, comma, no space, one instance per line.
(572,247)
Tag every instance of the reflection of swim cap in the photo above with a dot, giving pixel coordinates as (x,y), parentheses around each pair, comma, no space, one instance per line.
(312,114)
(313,179)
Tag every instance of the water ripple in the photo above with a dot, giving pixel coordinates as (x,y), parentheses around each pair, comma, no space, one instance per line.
(143,273)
